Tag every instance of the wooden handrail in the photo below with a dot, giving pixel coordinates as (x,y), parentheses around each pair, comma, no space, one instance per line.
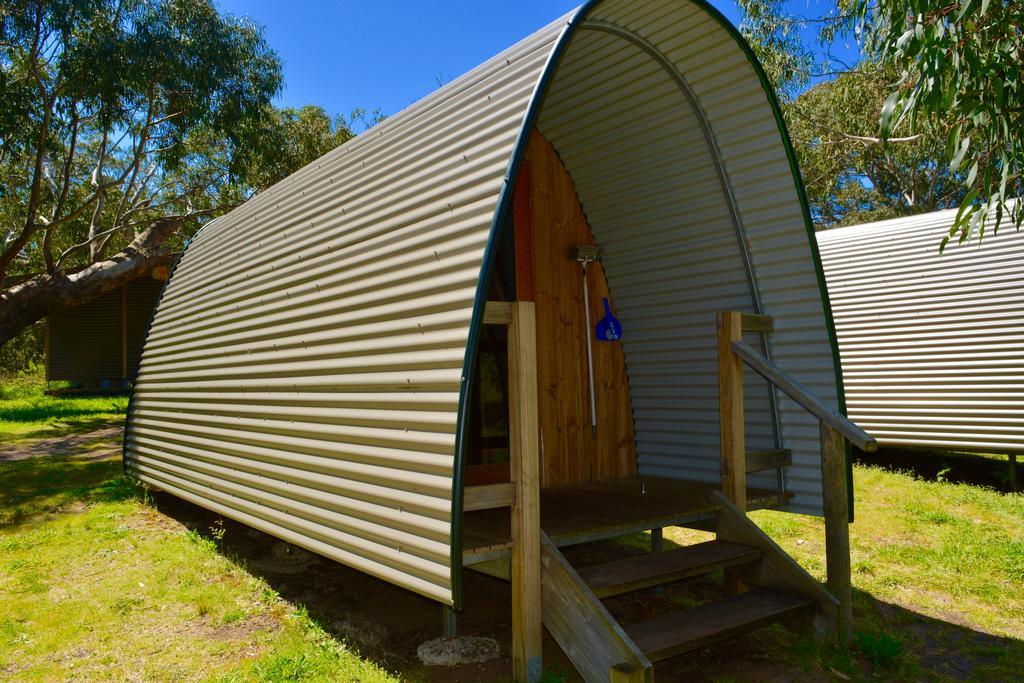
(498,313)
(753,322)
(802,395)
(488,496)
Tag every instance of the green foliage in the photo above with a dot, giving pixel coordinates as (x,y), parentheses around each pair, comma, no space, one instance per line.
(119,112)
(853,176)
(775,39)
(929,118)
(960,64)
(881,649)
(290,139)
(851,173)
(25,353)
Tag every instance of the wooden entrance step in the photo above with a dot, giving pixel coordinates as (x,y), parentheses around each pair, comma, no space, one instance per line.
(677,632)
(644,571)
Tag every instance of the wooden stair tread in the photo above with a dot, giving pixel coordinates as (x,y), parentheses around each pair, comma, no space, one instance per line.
(635,573)
(677,632)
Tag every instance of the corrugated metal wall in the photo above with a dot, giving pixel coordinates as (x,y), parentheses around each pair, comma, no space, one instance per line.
(140,301)
(646,175)
(303,370)
(932,344)
(85,341)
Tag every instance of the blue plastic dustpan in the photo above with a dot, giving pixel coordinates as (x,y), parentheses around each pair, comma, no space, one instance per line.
(609,328)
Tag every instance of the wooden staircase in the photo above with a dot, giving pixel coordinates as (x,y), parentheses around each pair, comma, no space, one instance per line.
(763,584)
(777,589)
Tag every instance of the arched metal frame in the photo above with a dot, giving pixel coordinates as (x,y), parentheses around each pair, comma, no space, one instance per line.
(581,21)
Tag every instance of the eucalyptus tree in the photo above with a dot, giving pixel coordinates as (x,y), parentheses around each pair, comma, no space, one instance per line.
(928,116)
(853,174)
(960,61)
(851,170)
(121,127)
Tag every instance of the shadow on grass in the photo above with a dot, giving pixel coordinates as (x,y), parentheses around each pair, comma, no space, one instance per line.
(58,429)
(893,641)
(956,468)
(38,486)
(385,624)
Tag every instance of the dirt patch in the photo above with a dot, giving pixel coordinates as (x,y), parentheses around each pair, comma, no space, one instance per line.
(94,445)
(387,625)
(455,650)
(241,630)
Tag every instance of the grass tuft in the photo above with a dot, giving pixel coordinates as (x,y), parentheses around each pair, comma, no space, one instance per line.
(881,648)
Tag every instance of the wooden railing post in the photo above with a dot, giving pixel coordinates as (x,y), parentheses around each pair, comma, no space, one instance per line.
(730,409)
(524,451)
(837,528)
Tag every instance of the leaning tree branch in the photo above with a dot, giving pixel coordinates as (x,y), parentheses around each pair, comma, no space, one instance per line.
(37,297)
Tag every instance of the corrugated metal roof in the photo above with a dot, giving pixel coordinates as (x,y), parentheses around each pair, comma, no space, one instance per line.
(306,367)
(303,369)
(932,344)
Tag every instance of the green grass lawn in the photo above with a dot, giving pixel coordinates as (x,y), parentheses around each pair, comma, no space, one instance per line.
(97,584)
(938,577)
(26,412)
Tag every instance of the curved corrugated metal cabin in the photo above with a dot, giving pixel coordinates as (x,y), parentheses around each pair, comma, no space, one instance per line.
(312,368)
(932,344)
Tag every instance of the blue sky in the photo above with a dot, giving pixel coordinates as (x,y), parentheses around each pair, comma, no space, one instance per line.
(342,55)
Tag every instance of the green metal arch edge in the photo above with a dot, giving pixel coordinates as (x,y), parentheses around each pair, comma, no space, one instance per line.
(501,215)
(805,209)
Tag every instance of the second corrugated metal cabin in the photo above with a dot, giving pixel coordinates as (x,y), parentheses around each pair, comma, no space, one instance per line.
(932,343)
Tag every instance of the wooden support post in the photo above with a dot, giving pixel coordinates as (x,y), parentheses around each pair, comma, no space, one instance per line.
(1013,471)
(837,528)
(627,673)
(730,410)
(657,541)
(449,622)
(124,333)
(524,442)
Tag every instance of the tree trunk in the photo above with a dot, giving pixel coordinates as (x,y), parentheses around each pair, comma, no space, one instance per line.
(32,300)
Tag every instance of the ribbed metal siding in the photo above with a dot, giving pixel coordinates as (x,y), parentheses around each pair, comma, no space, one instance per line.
(302,371)
(85,341)
(143,294)
(932,344)
(645,175)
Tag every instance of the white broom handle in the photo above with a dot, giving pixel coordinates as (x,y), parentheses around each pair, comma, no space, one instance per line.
(590,353)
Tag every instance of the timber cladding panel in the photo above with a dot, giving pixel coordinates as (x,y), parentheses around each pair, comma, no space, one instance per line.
(569,451)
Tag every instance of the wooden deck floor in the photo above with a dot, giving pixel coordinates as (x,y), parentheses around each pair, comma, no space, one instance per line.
(588,512)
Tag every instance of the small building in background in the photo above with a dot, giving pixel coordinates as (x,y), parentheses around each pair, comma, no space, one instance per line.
(97,346)
(931,344)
